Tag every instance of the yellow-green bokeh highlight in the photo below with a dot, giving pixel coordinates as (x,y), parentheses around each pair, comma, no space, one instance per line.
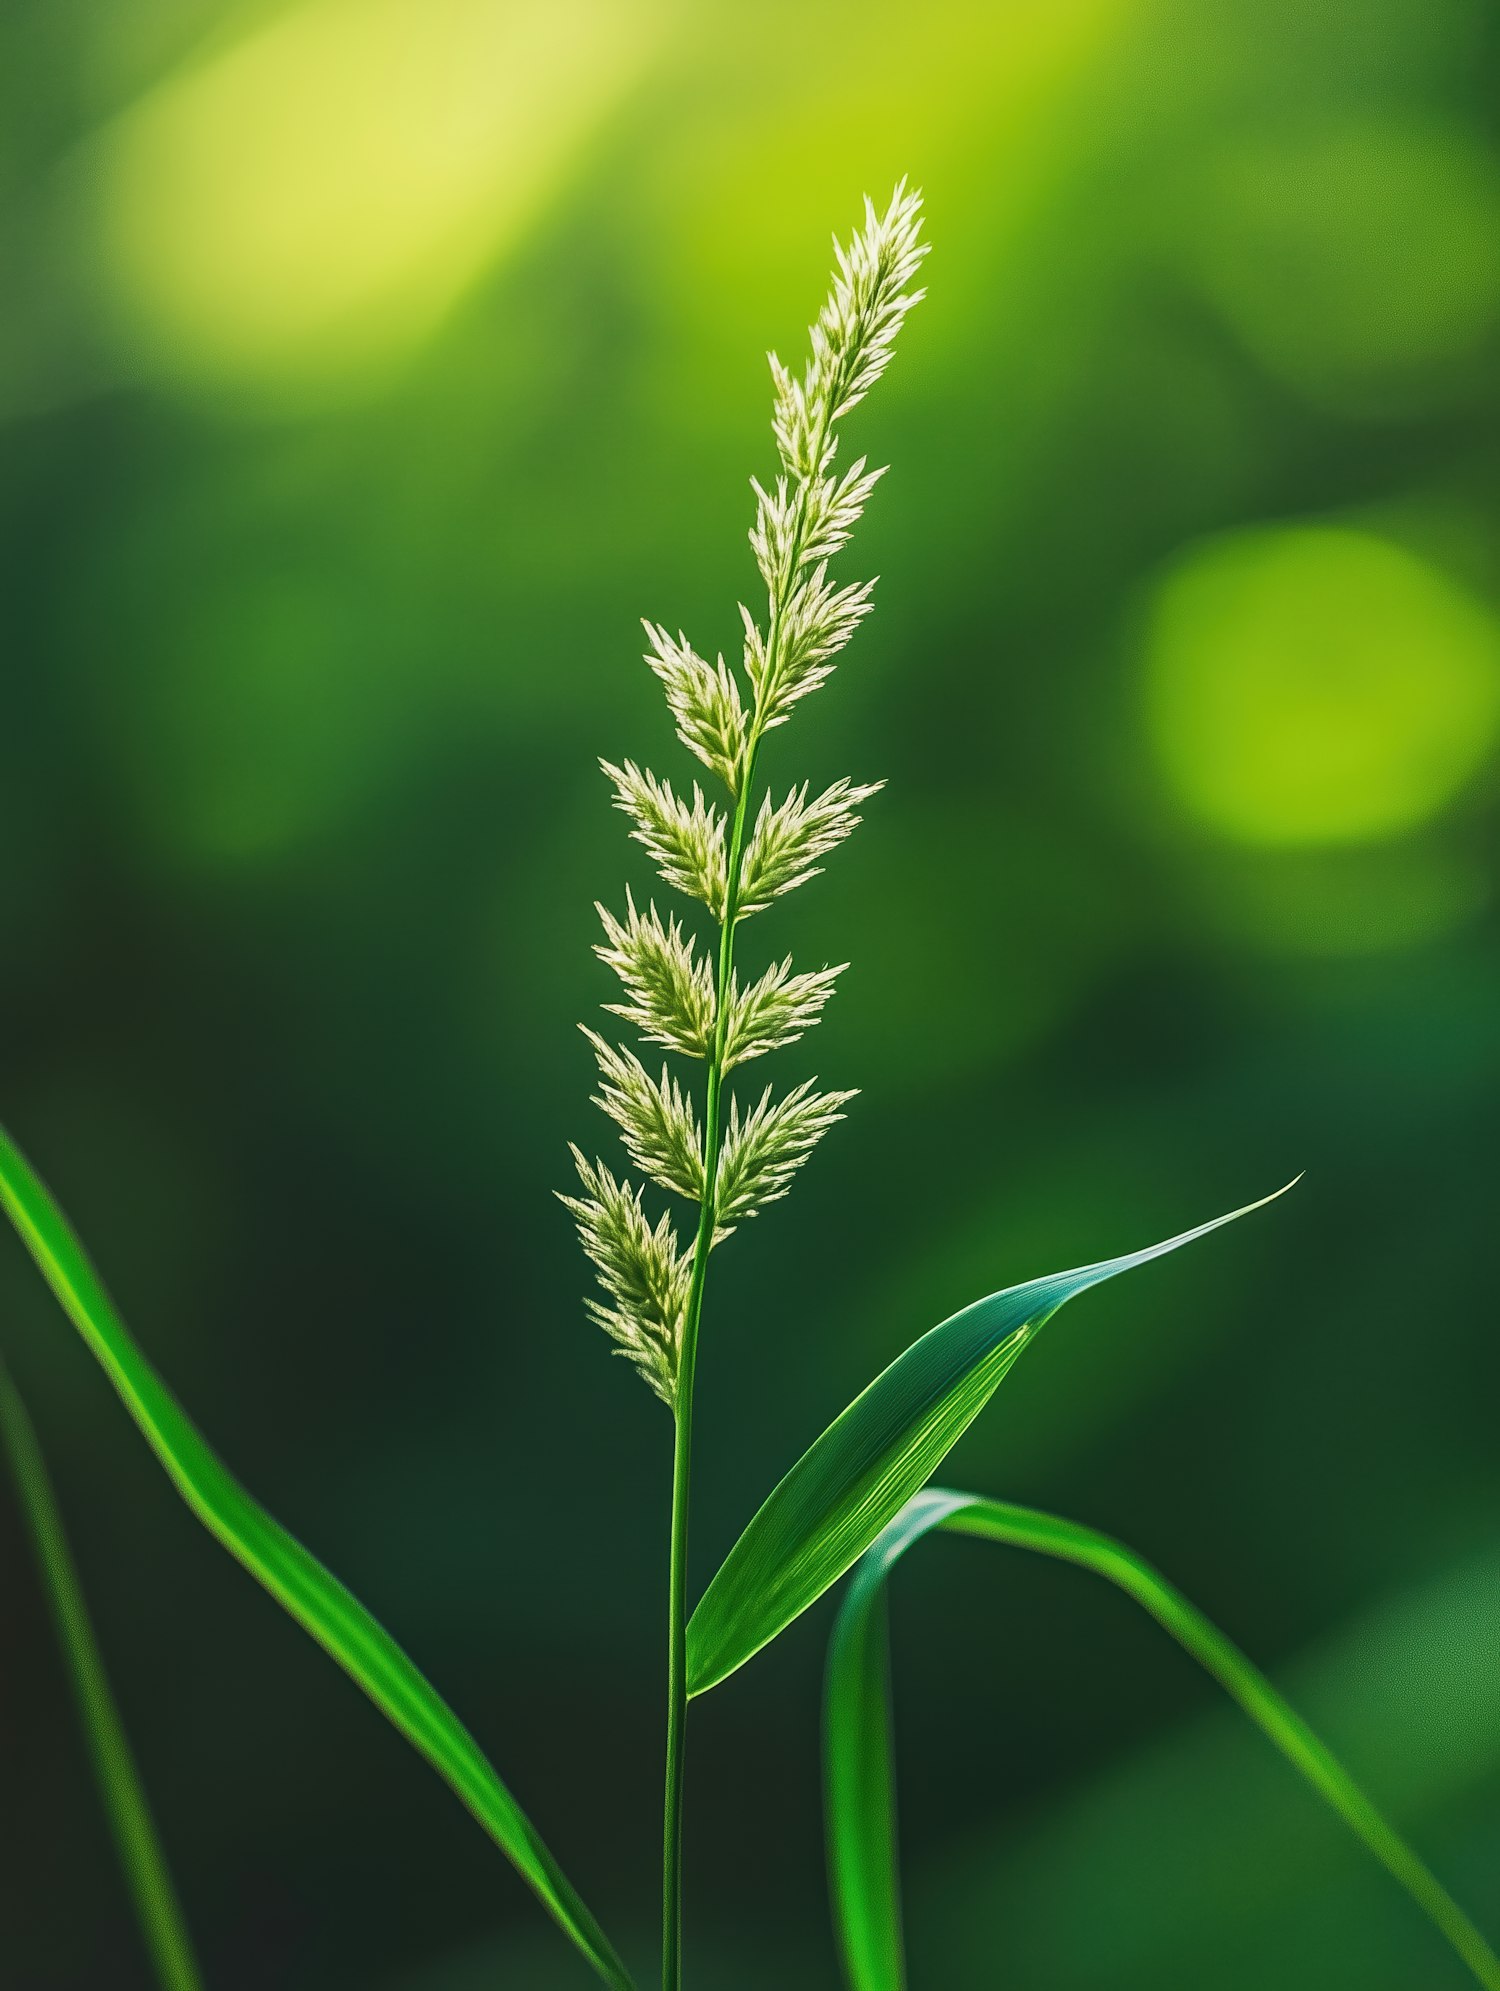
(302,205)
(307,204)
(1313,685)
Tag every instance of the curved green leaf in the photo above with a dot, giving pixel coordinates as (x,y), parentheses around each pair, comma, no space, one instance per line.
(145,1864)
(871,1459)
(859,1777)
(858,1774)
(296,1579)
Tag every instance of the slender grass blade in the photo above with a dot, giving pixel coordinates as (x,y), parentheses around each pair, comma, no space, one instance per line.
(859,1779)
(864,1883)
(869,1462)
(297,1580)
(145,1864)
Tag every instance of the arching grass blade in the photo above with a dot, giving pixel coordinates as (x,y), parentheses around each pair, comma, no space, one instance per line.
(863,1879)
(859,1779)
(146,1872)
(297,1580)
(873,1458)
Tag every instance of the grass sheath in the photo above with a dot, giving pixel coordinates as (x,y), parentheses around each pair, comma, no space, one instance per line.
(858,1778)
(149,1879)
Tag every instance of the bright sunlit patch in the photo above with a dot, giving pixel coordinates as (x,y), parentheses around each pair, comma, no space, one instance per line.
(996,82)
(308,205)
(1315,685)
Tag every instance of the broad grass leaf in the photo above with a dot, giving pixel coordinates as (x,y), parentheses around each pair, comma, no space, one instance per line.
(854,1479)
(859,1781)
(297,1580)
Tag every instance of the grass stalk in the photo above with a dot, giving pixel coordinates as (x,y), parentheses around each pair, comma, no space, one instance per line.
(682,1455)
(140,1851)
(744,1158)
(682,1451)
(682,1467)
(1025,1528)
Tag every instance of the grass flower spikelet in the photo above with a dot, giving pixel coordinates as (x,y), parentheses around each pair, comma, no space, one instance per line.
(687,841)
(670,986)
(641,1268)
(704,699)
(654,1116)
(788,840)
(764,1149)
(775,1011)
(737,859)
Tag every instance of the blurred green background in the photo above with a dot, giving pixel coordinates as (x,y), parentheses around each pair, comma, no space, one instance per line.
(368,368)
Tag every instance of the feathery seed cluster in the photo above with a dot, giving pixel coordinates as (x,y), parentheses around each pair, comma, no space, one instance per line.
(739,1159)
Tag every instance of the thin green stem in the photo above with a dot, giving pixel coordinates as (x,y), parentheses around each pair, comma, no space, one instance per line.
(671,1890)
(687,1361)
(125,1805)
(1023,1527)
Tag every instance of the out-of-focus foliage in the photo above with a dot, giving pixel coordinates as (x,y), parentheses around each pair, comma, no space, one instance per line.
(368,368)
